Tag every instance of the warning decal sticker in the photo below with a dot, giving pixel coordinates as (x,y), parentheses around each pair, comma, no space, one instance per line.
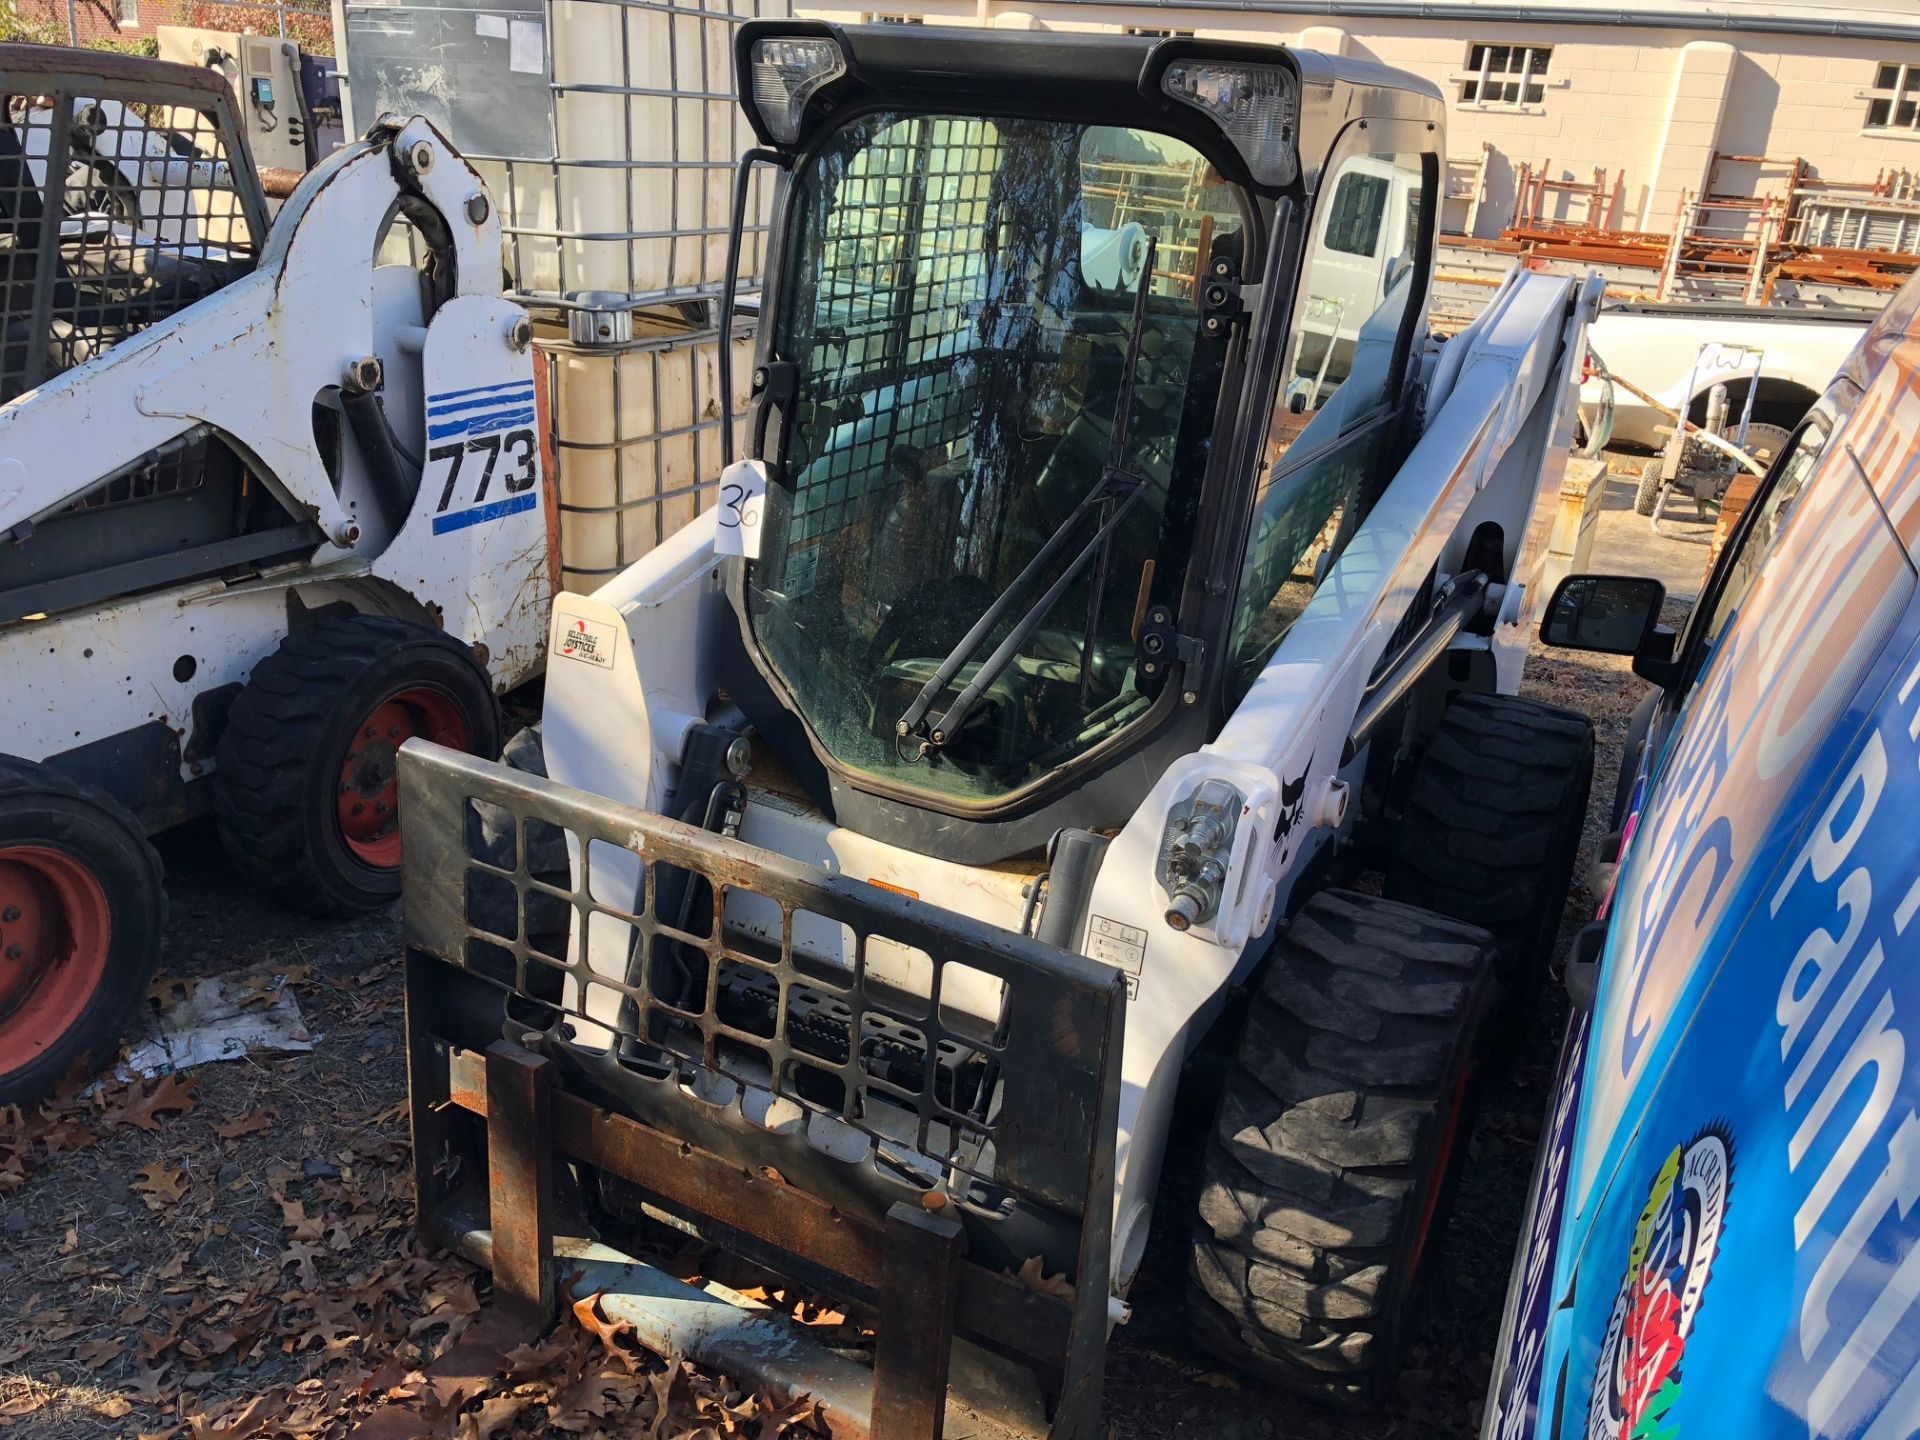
(588,640)
(1122,946)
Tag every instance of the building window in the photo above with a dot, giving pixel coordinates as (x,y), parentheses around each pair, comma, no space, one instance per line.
(1894,102)
(899,20)
(1148,32)
(1505,75)
(126,13)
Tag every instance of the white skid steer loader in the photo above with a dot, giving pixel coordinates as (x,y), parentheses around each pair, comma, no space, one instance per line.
(268,507)
(1117,571)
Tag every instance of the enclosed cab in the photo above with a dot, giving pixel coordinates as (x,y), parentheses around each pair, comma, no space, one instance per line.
(1004,374)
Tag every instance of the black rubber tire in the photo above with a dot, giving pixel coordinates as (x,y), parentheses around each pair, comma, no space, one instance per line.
(1647,494)
(279,758)
(1337,1143)
(1768,437)
(42,808)
(1491,827)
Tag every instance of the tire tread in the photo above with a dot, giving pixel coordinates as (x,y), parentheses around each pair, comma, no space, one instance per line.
(1326,1139)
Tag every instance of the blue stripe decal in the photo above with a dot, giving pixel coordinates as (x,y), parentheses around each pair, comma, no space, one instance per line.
(480,424)
(522,396)
(480,514)
(479,390)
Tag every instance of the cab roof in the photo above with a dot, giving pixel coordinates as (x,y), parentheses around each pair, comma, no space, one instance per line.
(1102,78)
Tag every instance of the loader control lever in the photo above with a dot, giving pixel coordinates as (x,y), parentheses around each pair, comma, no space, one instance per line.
(1113,494)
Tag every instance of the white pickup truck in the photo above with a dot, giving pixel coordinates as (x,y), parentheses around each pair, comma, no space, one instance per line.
(1660,348)
(1654,346)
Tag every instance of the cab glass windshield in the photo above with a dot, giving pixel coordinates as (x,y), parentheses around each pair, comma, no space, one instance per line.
(959,308)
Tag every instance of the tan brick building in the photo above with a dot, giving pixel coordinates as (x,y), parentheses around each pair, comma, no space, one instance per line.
(1564,87)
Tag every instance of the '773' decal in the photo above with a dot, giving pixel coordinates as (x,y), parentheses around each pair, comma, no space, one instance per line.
(479,461)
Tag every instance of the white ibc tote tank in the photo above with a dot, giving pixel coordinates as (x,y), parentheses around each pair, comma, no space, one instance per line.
(636,433)
(647,132)
(630,222)
(615,202)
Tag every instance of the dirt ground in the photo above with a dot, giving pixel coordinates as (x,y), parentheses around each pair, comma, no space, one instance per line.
(228,1254)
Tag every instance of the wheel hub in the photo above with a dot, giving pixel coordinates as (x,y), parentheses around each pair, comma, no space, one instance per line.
(369,787)
(28,927)
(55,928)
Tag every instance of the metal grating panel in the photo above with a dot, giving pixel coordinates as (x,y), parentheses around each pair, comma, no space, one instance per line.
(173,467)
(901,283)
(119,206)
(619,181)
(905,1047)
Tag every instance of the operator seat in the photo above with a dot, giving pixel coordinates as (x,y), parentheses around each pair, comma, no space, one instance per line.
(22,216)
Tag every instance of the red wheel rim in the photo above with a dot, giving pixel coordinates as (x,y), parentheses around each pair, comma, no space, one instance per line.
(1448,1137)
(369,791)
(55,930)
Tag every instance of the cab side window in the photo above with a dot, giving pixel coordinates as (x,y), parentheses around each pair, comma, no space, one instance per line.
(1327,441)
(1740,565)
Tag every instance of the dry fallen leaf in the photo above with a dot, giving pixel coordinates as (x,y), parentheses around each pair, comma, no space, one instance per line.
(587,1312)
(235,1423)
(145,1384)
(302,1254)
(160,1185)
(294,1216)
(144,1102)
(101,1352)
(540,1355)
(1033,1274)
(251,1123)
(497,1413)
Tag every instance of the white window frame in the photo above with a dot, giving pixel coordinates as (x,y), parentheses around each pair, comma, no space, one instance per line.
(1904,90)
(126,14)
(1486,75)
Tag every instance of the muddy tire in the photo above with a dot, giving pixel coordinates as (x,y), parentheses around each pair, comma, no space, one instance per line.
(1647,494)
(305,792)
(1336,1144)
(1491,826)
(81,913)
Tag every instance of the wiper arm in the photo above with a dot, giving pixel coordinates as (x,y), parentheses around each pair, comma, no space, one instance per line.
(996,664)
(1102,490)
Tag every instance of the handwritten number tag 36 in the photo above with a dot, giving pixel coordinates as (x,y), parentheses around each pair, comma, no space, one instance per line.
(742,504)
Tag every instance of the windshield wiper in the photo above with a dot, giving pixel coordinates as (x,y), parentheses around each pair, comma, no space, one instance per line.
(1113,480)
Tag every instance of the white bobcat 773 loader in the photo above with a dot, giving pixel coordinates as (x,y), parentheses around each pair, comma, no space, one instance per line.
(1118,570)
(268,507)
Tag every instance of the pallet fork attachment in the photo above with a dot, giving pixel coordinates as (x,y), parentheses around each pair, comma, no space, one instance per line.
(695,1077)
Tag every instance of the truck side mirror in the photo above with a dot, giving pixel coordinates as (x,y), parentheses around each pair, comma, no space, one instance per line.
(1613,614)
